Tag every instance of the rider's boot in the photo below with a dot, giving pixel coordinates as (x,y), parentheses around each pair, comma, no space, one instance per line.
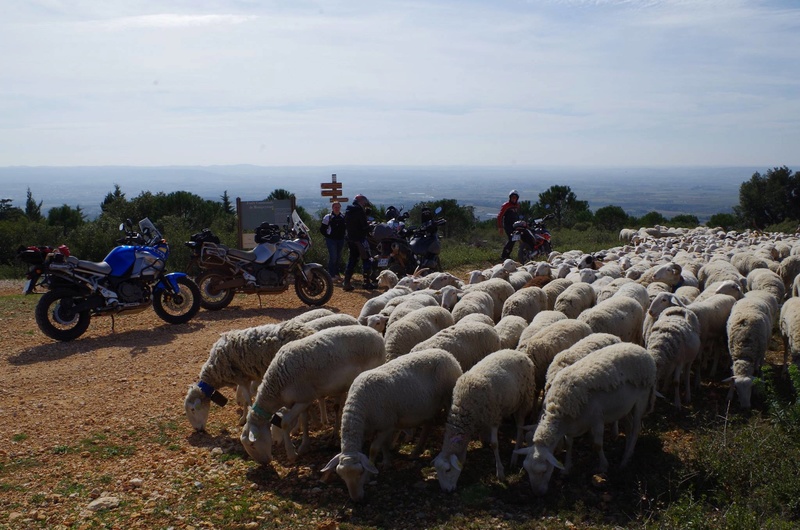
(347,286)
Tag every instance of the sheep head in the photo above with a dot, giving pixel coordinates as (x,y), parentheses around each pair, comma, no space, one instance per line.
(539,463)
(256,437)
(355,469)
(197,406)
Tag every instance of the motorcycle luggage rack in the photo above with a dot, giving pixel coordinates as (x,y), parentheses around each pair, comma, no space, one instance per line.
(211,255)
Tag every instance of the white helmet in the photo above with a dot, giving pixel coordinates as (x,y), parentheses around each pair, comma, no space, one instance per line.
(513,192)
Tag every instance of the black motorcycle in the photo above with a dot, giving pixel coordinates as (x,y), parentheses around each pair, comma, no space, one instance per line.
(424,240)
(389,244)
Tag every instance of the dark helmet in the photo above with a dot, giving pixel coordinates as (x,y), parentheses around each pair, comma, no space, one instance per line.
(391,213)
(361,200)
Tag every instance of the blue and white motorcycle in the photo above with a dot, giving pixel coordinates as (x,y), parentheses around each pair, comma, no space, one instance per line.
(130,279)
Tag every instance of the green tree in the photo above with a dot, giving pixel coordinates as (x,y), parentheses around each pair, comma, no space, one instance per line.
(9,212)
(564,205)
(227,207)
(33,211)
(652,219)
(65,217)
(727,221)
(684,220)
(769,199)
(610,217)
(460,219)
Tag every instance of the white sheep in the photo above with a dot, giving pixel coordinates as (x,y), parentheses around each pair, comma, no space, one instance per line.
(545,344)
(312,314)
(477,318)
(619,315)
(790,330)
(330,321)
(607,385)
(409,304)
(525,302)
(387,279)
(687,293)
(320,365)
(796,286)
(766,280)
(712,313)
(611,288)
(498,289)
(519,278)
(668,273)
(414,328)
(374,305)
(499,386)
(719,270)
(407,392)
(574,353)
(575,299)
(660,302)
(236,359)
(553,289)
(509,329)
(674,342)
(730,287)
(539,322)
(474,302)
(468,342)
(749,328)
(636,291)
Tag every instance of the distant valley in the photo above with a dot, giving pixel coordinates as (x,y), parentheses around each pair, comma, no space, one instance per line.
(670,191)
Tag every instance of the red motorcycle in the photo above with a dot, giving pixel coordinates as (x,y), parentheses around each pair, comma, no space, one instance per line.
(533,237)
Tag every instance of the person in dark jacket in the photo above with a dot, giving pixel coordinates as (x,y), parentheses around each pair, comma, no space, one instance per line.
(333,228)
(509,214)
(355,219)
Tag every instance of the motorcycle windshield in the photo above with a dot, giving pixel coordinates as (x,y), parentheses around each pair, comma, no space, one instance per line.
(298,223)
(146,227)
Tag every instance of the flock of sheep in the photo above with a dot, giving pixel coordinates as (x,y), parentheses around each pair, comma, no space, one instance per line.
(564,347)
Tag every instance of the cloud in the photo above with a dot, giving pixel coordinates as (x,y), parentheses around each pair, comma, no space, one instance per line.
(171,20)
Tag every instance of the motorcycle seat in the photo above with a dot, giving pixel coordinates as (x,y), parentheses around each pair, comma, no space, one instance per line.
(100,268)
(242,254)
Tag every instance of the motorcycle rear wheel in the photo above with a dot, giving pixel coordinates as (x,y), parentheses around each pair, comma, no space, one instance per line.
(210,298)
(524,253)
(178,308)
(317,290)
(55,318)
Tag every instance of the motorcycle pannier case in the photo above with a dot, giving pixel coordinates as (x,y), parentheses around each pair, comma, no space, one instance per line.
(267,233)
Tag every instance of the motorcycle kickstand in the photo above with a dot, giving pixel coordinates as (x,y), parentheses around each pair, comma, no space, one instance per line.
(112,323)
(260,305)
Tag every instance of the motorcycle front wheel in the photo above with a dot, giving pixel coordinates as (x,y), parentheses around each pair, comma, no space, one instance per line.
(56,318)
(211,298)
(178,308)
(317,290)
(524,253)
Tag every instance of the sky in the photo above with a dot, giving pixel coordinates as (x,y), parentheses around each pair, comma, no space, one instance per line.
(378,82)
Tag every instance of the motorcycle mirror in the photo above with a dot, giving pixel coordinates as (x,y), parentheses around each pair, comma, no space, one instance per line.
(122,226)
(438,210)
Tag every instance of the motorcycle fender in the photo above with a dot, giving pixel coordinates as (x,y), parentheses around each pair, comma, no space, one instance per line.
(171,283)
(308,267)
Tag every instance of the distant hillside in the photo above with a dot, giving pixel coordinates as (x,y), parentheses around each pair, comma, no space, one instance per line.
(670,191)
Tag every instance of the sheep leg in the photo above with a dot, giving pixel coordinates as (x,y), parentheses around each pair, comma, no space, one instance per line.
(420,445)
(323,412)
(297,410)
(519,418)
(633,433)
(568,458)
(501,475)
(381,444)
(676,381)
(598,428)
(688,382)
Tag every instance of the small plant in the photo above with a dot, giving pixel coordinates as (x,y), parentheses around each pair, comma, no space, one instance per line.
(19,437)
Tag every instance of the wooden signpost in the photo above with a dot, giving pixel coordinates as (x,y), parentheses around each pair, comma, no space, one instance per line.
(333,189)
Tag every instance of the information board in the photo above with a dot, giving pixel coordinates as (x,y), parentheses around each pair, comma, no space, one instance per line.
(250,214)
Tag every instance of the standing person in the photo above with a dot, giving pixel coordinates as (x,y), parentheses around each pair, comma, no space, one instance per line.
(333,228)
(355,219)
(509,214)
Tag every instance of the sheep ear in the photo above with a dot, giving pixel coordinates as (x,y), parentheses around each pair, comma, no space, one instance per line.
(252,434)
(367,464)
(332,464)
(728,380)
(660,395)
(554,461)
(455,462)
(197,403)
(524,451)
(529,428)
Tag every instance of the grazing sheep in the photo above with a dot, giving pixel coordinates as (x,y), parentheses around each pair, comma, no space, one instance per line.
(730,287)
(313,314)
(387,279)
(575,299)
(656,288)
(575,353)
(374,305)
(330,321)
(612,383)
(414,328)
(619,315)
(790,330)
(407,392)
(498,289)
(712,313)
(509,329)
(474,302)
(525,303)
(545,344)
(408,305)
(769,299)
(553,289)
(719,270)
(320,365)
(674,342)
(467,342)
(749,328)
(477,318)
(746,262)
(635,291)
(687,293)
(796,286)
(660,302)
(518,279)
(238,358)
(539,322)
(668,273)
(499,386)
(766,280)
(610,289)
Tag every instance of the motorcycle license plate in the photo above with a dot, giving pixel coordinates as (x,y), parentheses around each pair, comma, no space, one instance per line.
(27,285)
(383,262)
(515,237)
